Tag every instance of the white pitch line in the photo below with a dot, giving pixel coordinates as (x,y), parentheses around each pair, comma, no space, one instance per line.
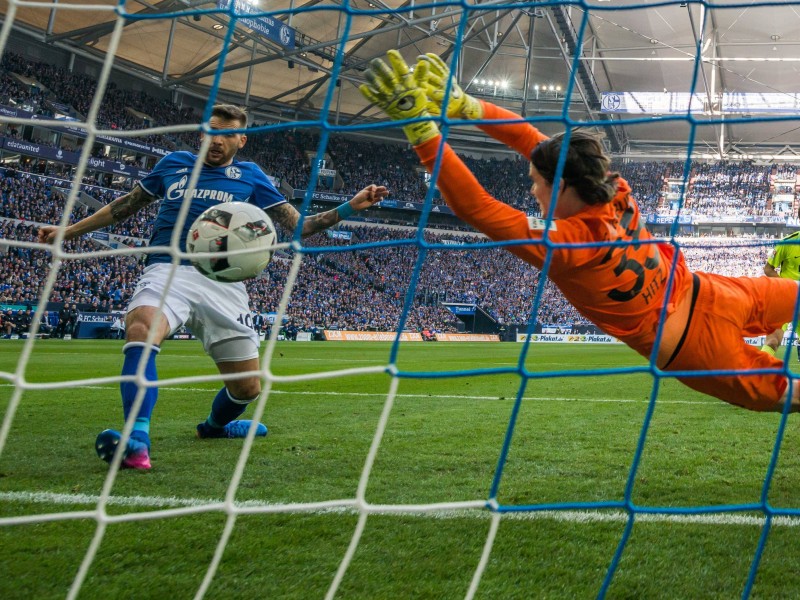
(431,396)
(293,359)
(570,516)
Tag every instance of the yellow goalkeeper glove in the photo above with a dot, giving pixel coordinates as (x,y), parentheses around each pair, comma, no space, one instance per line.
(400,94)
(460,105)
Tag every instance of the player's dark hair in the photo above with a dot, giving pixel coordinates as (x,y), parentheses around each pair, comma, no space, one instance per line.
(585,169)
(230,112)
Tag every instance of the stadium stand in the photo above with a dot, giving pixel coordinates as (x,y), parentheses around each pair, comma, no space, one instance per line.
(364,291)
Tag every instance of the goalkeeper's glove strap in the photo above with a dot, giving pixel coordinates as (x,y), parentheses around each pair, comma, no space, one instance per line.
(419,133)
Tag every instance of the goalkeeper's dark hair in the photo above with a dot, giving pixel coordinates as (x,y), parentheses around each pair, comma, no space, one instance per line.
(586,166)
(230,112)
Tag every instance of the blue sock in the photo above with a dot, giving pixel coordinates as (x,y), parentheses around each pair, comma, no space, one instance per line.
(133,353)
(225,409)
(141,430)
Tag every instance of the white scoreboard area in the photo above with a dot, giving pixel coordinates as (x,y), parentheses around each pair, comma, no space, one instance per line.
(671,103)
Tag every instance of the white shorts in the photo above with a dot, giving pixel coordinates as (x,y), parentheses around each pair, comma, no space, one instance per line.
(217,313)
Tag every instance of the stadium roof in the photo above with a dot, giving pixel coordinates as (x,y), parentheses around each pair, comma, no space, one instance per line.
(511,47)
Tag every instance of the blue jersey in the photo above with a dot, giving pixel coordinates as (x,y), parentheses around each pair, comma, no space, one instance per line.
(238,182)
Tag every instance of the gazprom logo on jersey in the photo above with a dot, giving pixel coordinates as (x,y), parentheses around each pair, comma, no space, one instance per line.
(178,189)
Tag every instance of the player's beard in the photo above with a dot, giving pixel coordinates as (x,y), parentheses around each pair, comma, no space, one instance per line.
(217,157)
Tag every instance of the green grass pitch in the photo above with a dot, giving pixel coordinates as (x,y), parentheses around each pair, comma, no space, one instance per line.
(574,442)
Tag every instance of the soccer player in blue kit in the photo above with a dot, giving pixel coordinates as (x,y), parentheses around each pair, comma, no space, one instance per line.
(212,309)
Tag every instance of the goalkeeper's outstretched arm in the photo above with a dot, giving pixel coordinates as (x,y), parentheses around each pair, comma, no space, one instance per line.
(519,135)
(471,203)
(113,212)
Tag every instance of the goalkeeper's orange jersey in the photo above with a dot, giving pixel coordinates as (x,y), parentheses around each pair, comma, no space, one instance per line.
(621,288)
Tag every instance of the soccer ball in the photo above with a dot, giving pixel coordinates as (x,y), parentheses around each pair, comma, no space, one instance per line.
(227,228)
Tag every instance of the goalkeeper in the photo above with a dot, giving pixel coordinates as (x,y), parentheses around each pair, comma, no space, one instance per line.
(783,261)
(623,288)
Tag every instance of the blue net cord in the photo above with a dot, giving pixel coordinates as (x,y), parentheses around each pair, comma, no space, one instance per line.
(625,503)
(327,127)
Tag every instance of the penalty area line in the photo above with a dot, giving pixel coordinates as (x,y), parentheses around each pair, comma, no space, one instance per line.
(569,516)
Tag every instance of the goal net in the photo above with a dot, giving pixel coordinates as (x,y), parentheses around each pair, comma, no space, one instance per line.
(414,470)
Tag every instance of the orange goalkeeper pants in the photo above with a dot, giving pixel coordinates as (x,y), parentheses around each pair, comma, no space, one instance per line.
(726,310)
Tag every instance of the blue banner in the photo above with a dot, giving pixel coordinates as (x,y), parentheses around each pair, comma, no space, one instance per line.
(39,150)
(129,143)
(668,219)
(59,108)
(93,325)
(327,196)
(338,234)
(70,158)
(688,219)
(113,166)
(460,309)
(395,204)
(270,28)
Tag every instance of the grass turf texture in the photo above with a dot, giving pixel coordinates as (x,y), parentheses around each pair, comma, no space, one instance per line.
(574,442)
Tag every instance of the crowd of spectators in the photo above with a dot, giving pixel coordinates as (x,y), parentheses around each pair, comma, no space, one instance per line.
(714,188)
(744,257)
(365,289)
(361,290)
(41,199)
(729,188)
(98,283)
(13,91)
(120,109)
(647,180)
